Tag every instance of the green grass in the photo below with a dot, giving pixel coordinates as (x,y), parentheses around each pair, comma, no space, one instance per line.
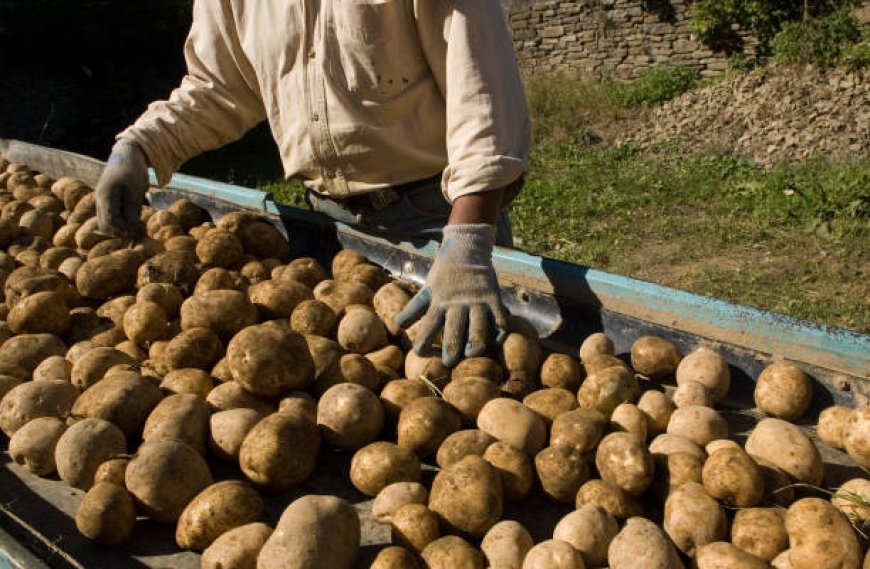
(793,239)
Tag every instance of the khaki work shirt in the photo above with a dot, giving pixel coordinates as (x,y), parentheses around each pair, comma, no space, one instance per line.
(359,94)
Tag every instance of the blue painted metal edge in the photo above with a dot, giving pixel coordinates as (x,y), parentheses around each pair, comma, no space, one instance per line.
(717,320)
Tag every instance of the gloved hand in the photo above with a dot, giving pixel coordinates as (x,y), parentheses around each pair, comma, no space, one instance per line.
(461,296)
(121,190)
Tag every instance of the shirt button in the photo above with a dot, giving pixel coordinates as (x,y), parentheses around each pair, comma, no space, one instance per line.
(315,117)
(330,174)
(312,54)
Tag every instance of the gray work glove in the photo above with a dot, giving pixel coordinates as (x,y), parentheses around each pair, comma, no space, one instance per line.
(461,296)
(121,190)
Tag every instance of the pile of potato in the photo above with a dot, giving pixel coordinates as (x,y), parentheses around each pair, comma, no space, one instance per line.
(130,370)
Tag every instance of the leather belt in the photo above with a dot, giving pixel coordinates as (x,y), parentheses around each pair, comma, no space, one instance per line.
(379,199)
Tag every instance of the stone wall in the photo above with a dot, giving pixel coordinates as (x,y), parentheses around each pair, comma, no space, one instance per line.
(609,37)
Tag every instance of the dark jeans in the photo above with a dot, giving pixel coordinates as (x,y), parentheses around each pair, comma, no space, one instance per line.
(421,212)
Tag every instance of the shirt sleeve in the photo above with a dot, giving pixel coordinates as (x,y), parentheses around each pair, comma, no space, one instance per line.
(469,51)
(217,102)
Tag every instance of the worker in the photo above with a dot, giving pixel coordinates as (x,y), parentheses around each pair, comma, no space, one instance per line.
(404,117)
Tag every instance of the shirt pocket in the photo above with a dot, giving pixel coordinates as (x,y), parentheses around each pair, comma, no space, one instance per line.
(379,52)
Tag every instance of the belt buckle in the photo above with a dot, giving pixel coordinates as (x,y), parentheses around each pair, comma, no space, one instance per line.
(382,198)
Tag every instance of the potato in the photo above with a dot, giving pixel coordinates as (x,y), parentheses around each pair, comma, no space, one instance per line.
(414,526)
(514,423)
(481,367)
(42,312)
(160,220)
(389,300)
(580,429)
(349,416)
(561,370)
(192,348)
(314,532)
(218,278)
(673,470)
(83,447)
(562,470)
(164,476)
(721,444)
(340,294)
(219,248)
(506,544)
(261,238)
(628,418)
(783,390)
(428,368)
(167,296)
(225,312)
(553,554)
(642,545)
(609,497)
(33,445)
(278,299)
(325,354)
(698,424)
(88,234)
(521,356)
(692,392)
(7,382)
(462,443)
(550,403)
(820,536)
(760,532)
(16,372)
(54,367)
(624,461)
(857,439)
(227,430)
(380,464)
(733,478)
(312,317)
(396,495)
(231,395)
(189,214)
(425,423)
(269,360)
(355,368)
(280,452)
(606,389)
(655,357)
(237,548)
(299,403)
(187,380)
(106,515)
(707,368)
(452,552)
(34,399)
(182,417)
(693,519)
(833,425)
(124,399)
(668,444)
(109,275)
(467,496)
(589,530)
(469,394)
(145,322)
(852,498)
(304,270)
(395,557)
(92,366)
(219,508)
(515,468)
(658,408)
(723,555)
(361,331)
(786,447)
(112,471)
(28,350)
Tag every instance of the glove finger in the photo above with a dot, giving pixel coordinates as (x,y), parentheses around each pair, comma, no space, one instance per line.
(109,211)
(415,308)
(455,333)
(432,323)
(131,211)
(500,319)
(478,331)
